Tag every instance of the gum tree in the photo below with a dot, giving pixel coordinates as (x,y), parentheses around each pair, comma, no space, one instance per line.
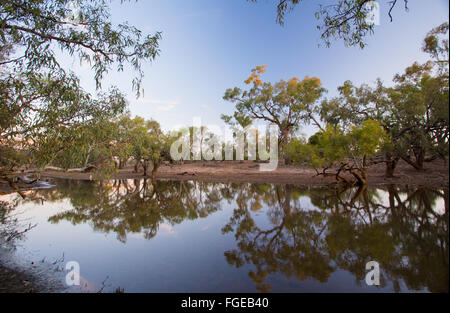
(421,102)
(356,104)
(421,97)
(414,111)
(42,103)
(338,152)
(286,104)
(147,144)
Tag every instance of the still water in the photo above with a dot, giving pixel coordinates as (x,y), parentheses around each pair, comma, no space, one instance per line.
(215,237)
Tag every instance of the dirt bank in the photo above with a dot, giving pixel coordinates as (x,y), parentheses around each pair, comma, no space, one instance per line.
(34,279)
(14,281)
(435,174)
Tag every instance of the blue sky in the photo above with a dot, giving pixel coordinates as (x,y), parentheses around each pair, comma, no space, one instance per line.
(208,46)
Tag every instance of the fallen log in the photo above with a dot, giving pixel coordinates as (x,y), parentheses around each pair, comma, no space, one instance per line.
(54,168)
(86,169)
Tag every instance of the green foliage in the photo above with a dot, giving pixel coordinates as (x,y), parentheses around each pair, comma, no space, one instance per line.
(414,112)
(345,150)
(94,144)
(341,19)
(287,104)
(145,141)
(37,28)
(421,102)
(301,152)
(46,115)
(355,104)
(44,112)
(367,139)
(436,45)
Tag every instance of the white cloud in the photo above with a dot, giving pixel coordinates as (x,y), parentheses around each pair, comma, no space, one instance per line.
(157,101)
(165,108)
(164,105)
(165,229)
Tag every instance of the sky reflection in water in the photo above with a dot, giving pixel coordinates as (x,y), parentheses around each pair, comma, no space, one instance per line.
(214,237)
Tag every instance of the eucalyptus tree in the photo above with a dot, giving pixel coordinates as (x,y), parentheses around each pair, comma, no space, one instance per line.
(195,140)
(42,102)
(414,112)
(286,104)
(147,144)
(36,29)
(356,104)
(421,108)
(338,151)
(421,98)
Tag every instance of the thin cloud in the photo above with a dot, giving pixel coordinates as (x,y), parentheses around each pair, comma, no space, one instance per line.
(165,108)
(164,105)
(157,101)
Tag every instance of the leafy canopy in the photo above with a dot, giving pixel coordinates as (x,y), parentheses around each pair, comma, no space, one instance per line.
(44,111)
(286,104)
(349,20)
(36,29)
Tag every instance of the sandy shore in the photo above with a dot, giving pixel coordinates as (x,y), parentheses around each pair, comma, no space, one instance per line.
(435,174)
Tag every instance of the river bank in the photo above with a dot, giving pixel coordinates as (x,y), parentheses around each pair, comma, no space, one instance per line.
(34,278)
(31,278)
(14,281)
(435,174)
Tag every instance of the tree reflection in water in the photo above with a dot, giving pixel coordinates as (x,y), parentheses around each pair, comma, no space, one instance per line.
(405,229)
(135,206)
(408,235)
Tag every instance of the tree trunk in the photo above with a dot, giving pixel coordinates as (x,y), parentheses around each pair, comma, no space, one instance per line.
(361,176)
(391,164)
(121,164)
(417,163)
(286,134)
(145,166)
(136,166)
(420,159)
(390,167)
(154,171)
(392,193)
(87,157)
